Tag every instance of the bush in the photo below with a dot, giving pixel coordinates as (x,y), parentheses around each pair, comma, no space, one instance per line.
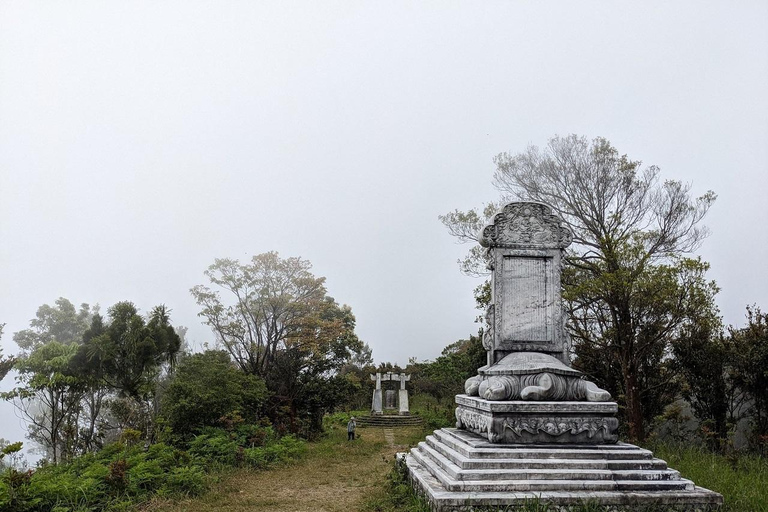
(208,391)
(119,477)
(186,480)
(217,448)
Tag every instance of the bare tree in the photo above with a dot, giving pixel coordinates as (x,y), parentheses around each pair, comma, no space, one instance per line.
(271,300)
(626,282)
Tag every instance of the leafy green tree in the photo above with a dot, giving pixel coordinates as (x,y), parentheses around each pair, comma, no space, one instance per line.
(127,355)
(306,377)
(750,369)
(208,388)
(129,352)
(48,393)
(444,377)
(704,358)
(61,322)
(95,391)
(279,324)
(48,397)
(629,229)
(6,363)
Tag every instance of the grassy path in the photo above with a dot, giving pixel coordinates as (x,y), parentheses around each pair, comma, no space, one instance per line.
(334,475)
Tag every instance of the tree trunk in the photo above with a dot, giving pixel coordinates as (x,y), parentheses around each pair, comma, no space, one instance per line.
(634,408)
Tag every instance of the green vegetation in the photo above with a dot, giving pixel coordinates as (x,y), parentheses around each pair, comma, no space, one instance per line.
(333,475)
(742,479)
(125,474)
(276,321)
(207,390)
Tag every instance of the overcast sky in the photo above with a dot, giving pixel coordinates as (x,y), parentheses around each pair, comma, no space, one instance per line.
(139,141)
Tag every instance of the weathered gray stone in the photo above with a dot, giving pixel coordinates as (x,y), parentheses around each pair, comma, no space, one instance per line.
(457,470)
(525,335)
(538,422)
(390,399)
(376,403)
(530,426)
(403,402)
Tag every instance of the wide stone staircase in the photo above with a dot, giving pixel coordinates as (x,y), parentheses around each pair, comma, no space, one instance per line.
(456,469)
(389,420)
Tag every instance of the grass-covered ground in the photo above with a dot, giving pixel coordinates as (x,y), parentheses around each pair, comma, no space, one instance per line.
(332,475)
(742,480)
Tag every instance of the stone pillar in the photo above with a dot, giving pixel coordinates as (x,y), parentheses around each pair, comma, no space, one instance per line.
(376,403)
(403,398)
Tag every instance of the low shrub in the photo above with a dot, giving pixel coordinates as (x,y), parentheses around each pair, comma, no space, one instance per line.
(120,476)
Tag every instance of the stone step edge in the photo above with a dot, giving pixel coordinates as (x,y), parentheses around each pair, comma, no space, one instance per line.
(655,469)
(450,481)
(444,500)
(458,472)
(479,442)
(536,451)
(468,463)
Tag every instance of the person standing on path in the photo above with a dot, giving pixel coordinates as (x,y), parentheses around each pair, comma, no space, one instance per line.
(351,429)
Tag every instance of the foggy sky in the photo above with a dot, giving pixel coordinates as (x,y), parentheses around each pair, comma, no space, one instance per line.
(139,141)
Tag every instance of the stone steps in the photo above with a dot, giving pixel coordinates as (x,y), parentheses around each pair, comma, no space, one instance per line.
(456,466)
(545,480)
(464,462)
(483,450)
(389,421)
(591,465)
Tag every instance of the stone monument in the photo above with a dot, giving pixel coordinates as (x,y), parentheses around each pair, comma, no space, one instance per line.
(390,399)
(402,399)
(529,425)
(376,403)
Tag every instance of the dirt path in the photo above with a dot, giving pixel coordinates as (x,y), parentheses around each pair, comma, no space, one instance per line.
(335,475)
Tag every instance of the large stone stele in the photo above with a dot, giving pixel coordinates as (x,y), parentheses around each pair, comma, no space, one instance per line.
(530,427)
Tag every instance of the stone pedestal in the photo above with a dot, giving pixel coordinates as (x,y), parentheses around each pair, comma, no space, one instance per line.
(527,422)
(403,403)
(458,471)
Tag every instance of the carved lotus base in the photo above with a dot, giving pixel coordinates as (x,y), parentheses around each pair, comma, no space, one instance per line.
(528,422)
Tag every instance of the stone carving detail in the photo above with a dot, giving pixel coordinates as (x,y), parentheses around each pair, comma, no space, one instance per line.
(533,376)
(537,386)
(556,428)
(489,321)
(472,421)
(526,224)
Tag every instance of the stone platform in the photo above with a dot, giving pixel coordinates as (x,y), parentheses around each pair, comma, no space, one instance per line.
(538,422)
(388,420)
(456,470)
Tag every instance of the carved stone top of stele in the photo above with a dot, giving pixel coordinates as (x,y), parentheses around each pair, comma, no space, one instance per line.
(526,225)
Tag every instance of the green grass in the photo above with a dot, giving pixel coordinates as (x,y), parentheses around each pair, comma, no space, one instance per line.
(741,479)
